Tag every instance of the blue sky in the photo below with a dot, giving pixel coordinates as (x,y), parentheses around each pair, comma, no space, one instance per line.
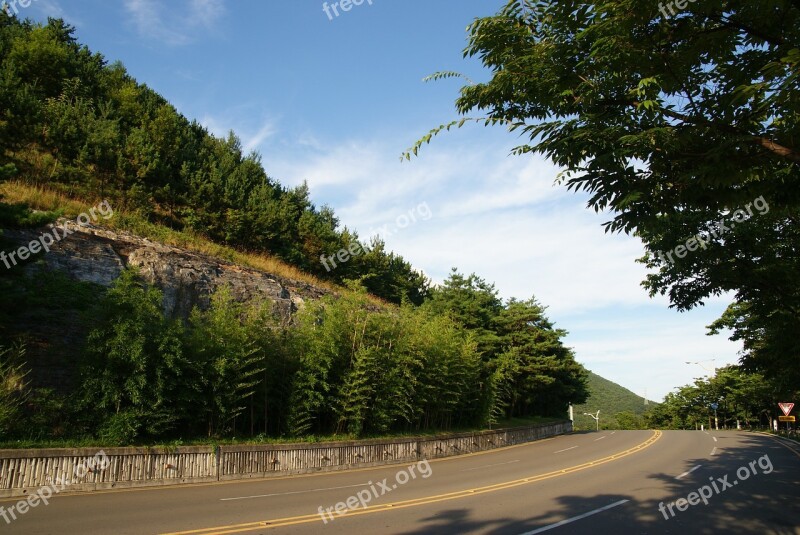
(335,101)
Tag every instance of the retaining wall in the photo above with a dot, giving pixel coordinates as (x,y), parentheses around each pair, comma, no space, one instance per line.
(76,470)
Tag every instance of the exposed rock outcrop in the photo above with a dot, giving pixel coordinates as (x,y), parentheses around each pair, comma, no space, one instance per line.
(187,279)
(54,335)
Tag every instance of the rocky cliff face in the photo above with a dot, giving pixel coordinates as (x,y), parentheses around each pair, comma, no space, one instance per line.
(54,336)
(187,279)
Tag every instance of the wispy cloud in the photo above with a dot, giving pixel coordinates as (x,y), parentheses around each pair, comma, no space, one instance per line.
(174,23)
(205,13)
(242,121)
(254,141)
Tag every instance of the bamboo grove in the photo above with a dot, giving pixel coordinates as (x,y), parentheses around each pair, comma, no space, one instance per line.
(339,366)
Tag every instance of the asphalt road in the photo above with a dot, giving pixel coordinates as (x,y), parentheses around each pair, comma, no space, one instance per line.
(606,482)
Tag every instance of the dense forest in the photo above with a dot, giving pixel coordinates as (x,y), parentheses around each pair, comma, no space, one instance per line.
(428,357)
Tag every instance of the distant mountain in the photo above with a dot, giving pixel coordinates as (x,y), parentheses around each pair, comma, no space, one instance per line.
(611,399)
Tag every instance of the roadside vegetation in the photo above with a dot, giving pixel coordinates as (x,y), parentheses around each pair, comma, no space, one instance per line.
(337,368)
(384,353)
(742,398)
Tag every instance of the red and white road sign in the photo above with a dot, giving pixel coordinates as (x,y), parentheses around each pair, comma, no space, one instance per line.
(786,408)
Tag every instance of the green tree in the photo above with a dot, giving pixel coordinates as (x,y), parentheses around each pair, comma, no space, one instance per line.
(629,420)
(362,370)
(671,121)
(686,408)
(13,388)
(388,275)
(446,378)
(328,334)
(473,303)
(275,343)
(540,374)
(742,398)
(222,345)
(136,378)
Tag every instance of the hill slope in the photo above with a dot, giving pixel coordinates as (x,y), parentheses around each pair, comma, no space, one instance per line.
(204,336)
(611,399)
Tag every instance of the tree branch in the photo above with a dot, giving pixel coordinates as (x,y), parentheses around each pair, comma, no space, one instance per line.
(770,145)
(773,40)
(778,149)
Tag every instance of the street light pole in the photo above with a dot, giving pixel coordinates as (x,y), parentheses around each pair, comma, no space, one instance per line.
(596,418)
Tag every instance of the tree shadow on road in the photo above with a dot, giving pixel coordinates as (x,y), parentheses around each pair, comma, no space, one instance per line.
(763,502)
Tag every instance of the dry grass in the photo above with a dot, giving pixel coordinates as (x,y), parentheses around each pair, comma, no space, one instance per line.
(41,198)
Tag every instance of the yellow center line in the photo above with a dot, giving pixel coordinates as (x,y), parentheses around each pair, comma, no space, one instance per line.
(288,521)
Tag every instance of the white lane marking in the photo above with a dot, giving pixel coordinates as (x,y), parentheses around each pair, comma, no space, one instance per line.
(706,432)
(714,451)
(488,466)
(601,438)
(715,438)
(567,449)
(574,518)
(612,432)
(293,492)
(688,472)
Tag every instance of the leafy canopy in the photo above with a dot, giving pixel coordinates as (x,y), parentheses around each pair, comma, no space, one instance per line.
(671,121)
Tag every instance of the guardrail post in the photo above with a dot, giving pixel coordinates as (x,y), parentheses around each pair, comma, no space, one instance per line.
(217,458)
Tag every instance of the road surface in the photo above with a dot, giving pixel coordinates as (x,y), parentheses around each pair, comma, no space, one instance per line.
(682,482)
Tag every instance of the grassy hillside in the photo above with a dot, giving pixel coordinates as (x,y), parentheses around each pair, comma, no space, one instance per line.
(611,399)
(77,125)
(74,130)
(41,198)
